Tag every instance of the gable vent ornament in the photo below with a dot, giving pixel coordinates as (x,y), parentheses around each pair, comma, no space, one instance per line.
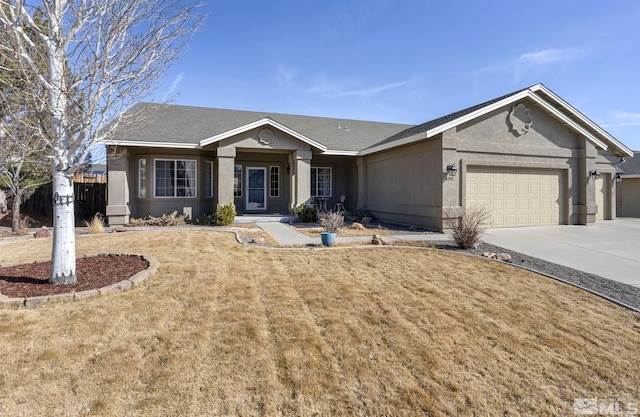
(265,136)
(520,119)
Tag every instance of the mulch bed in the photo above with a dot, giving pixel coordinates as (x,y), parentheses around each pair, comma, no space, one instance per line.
(32,279)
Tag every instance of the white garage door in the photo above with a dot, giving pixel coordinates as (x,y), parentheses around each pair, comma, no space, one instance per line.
(516,196)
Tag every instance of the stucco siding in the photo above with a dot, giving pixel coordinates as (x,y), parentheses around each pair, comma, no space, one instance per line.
(405,185)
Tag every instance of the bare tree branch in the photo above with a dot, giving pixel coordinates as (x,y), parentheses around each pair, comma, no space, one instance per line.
(84,63)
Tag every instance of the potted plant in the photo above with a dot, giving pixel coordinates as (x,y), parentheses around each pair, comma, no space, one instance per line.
(332,222)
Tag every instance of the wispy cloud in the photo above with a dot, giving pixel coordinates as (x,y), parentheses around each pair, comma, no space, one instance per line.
(551,56)
(286,75)
(545,59)
(174,86)
(621,118)
(334,90)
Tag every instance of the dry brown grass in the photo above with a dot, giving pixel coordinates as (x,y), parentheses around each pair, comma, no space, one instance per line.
(224,329)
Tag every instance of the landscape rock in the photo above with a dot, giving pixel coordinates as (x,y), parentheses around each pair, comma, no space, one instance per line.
(357,226)
(504,257)
(378,240)
(43,232)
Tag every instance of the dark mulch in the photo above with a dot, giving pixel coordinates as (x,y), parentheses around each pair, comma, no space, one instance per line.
(32,279)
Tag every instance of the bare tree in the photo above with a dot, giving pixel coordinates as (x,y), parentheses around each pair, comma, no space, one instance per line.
(100,57)
(23,162)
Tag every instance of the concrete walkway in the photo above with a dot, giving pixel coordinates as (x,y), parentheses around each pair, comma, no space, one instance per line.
(286,235)
(609,248)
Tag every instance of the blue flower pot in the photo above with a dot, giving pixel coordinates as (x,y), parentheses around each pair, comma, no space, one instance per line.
(327,238)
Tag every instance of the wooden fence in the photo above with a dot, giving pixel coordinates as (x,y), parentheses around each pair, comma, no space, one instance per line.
(90,198)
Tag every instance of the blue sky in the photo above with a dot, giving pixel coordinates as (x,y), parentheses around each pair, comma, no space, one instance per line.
(412,61)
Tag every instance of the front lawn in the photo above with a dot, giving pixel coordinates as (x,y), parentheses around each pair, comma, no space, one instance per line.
(225,329)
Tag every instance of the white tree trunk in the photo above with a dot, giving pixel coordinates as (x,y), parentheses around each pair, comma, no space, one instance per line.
(63,258)
(63,267)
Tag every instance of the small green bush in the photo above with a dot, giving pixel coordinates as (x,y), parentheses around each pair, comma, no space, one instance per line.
(225,214)
(306,213)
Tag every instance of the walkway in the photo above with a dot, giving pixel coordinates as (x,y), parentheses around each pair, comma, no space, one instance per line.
(286,235)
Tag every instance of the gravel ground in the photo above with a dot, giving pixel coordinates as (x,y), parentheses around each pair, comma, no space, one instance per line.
(618,292)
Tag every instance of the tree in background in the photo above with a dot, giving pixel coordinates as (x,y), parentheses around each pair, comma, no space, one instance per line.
(100,57)
(23,162)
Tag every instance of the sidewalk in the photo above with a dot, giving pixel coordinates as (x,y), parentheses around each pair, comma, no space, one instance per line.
(286,235)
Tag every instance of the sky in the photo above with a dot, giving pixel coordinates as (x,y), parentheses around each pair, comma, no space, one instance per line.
(411,61)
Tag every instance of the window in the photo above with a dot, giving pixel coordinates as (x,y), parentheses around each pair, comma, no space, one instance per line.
(274,181)
(175,178)
(208,179)
(321,181)
(142,178)
(237,181)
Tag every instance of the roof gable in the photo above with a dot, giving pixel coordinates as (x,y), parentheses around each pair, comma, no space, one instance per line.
(260,123)
(538,93)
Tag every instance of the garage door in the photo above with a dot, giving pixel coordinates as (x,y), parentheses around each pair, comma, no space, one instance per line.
(516,196)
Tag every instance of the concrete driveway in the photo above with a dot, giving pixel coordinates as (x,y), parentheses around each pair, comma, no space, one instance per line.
(609,248)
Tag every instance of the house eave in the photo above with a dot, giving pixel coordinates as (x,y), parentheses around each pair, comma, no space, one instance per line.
(147,144)
(340,153)
(616,143)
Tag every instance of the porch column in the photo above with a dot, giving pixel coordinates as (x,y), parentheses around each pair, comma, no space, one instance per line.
(301,191)
(226,161)
(587,206)
(118,190)
(362,183)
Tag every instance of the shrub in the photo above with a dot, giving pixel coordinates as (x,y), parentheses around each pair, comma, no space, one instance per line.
(225,214)
(96,224)
(204,220)
(331,221)
(172,219)
(306,213)
(466,225)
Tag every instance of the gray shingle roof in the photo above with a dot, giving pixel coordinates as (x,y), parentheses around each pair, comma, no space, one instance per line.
(190,125)
(631,166)
(414,130)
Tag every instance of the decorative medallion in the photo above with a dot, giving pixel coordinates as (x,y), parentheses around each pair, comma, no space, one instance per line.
(265,136)
(520,119)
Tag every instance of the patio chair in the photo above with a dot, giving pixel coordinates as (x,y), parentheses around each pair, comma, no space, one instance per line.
(339,206)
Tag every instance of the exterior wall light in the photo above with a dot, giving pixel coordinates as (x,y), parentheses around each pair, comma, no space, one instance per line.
(617,177)
(452,170)
(595,175)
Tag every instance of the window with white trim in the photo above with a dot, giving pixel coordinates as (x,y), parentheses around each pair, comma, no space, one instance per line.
(142,178)
(237,181)
(321,182)
(208,179)
(175,178)
(274,181)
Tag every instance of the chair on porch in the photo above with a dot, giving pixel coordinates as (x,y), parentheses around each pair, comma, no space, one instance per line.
(339,206)
(311,203)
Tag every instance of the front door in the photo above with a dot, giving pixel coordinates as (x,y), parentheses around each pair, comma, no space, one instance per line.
(256,189)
